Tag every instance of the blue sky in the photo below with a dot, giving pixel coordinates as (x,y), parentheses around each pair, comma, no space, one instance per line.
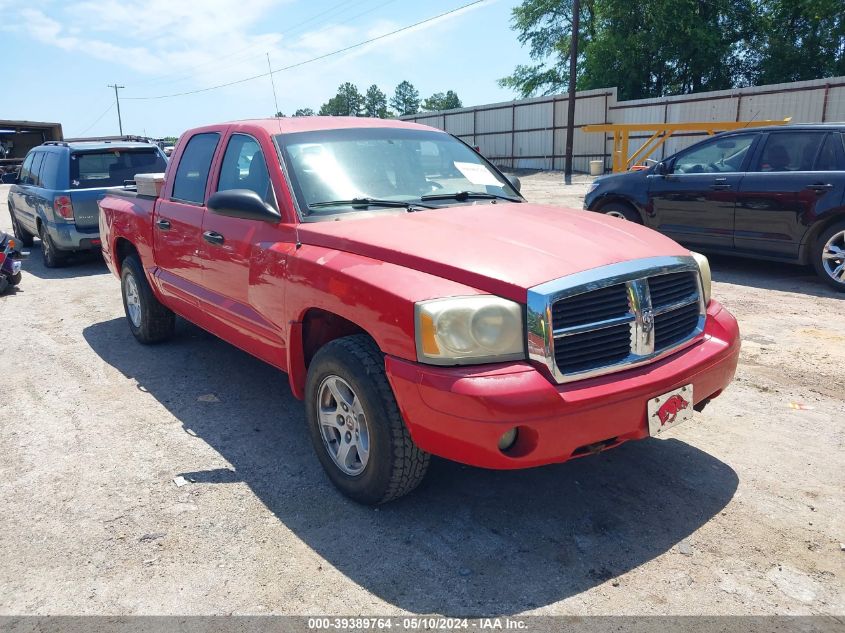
(63,53)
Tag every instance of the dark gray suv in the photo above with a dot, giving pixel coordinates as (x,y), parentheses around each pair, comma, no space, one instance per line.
(55,196)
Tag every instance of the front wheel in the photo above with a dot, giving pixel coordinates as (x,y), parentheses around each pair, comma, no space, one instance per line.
(622,211)
(828,255)
(355,425)
(149,320)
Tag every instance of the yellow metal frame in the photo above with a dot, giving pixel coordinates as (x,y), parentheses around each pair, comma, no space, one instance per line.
(661,131)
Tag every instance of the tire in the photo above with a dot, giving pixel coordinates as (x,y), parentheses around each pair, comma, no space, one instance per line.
(52,256)
(828,256)
(21,233)
(621,210)
(149,320)
(386,466)
(15,279)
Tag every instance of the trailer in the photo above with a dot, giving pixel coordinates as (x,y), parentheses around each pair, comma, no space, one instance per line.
(18,137)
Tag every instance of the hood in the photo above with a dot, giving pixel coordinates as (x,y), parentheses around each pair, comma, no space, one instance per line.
(503,249)
(613,179)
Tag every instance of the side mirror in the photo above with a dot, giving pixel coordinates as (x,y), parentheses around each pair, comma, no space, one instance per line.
(662,168)
(514,181)
(244,204)
(9,179)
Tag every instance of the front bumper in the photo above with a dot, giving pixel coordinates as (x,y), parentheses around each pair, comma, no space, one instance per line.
(460,413)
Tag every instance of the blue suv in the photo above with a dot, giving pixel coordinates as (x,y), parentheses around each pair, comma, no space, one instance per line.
(56,193)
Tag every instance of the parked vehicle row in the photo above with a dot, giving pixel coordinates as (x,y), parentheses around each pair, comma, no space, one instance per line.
(419,305)
(769,193)
(55,194)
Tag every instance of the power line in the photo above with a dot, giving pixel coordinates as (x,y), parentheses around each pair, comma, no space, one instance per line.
(111,105)
(237,58)
(163,79)
(313,59)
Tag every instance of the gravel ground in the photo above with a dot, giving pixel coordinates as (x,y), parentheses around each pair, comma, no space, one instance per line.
(739,512)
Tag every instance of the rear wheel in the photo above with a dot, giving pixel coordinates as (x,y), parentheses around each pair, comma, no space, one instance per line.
(621,210)
(52,256)
(355,425)
(828,256)
(149,320)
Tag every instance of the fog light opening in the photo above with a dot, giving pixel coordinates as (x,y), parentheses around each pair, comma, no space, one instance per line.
(508,439)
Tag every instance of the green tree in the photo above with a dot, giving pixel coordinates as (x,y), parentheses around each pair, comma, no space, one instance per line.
(347,102)
(279,115)
(406,99)
(304,112)
(647,49)
(440,101)
(798,40)
(375,103)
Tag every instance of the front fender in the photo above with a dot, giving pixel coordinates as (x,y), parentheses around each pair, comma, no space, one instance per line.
(376,296)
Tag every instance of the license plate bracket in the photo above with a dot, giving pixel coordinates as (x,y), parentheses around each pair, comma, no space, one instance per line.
(669,410)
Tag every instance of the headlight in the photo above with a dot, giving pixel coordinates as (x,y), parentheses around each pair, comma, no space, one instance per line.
(706,279)
(468,330)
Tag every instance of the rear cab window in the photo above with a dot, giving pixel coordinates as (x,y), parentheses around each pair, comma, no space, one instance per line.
(194,165)
(91,169)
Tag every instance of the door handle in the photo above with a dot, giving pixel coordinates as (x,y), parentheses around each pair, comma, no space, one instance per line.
(720,186)
(819,187)
(164,225)
(212,237)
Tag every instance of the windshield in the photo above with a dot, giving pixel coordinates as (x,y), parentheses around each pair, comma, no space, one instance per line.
(109,168)
(385,164)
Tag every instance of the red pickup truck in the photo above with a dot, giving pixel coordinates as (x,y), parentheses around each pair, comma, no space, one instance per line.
(419,305)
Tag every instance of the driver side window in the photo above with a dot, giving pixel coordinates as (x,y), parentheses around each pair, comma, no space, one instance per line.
(244,167)
(717,156)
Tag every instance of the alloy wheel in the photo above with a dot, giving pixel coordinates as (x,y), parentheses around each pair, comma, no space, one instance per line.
(833,257)
(343,425)
(133,301)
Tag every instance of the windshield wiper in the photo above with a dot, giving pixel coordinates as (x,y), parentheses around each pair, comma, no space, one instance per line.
(369,202)
(461,196)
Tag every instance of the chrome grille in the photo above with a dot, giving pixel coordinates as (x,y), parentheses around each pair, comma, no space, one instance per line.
(614,317)
(590,307)
(669,289)
(672,327)
(586,350)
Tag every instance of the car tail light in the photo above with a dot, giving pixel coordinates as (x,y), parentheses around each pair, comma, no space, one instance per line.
(63,207)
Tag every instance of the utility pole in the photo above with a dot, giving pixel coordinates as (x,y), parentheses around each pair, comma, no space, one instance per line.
(117,99)
(573,74)
(273,83)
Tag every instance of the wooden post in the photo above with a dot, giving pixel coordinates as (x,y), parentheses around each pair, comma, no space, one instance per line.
(573,76)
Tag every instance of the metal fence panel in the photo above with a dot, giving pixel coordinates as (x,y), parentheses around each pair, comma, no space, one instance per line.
(495,120)
(461,123)
(532,132)
(533,116)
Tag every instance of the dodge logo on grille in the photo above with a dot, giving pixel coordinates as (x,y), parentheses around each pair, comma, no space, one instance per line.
(648,321)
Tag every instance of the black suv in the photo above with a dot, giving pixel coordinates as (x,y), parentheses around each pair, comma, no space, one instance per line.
(771,192)
(55,195)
